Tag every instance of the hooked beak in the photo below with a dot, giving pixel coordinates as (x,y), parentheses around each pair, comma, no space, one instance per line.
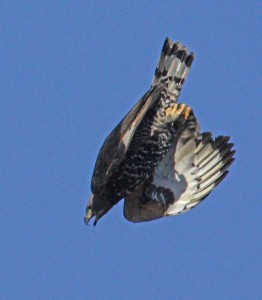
(89,215)
(89,212)
(93,210)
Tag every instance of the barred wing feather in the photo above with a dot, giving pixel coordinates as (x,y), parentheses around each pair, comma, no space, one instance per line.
(194,165)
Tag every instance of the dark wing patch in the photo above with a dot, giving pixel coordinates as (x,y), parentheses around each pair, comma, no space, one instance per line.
(116,144)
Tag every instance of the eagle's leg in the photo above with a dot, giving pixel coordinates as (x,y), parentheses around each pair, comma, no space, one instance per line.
(178,112)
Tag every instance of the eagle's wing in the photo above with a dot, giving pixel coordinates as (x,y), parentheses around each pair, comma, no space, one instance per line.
(116,144)
(194,165)
(171,72)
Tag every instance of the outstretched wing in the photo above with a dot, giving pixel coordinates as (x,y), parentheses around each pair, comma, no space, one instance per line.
(194,165)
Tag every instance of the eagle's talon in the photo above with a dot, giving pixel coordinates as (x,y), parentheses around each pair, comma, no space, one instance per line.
(171,110)
(187,112)
(181,108)
(178,111)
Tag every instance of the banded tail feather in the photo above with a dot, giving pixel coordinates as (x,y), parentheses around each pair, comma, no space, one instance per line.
(173,66)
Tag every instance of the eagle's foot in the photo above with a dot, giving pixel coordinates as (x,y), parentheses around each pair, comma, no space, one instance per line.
(177,112)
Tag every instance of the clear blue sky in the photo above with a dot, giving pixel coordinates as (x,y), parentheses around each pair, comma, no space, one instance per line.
(69,72)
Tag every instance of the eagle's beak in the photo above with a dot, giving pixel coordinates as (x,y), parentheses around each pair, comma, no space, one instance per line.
(89,212)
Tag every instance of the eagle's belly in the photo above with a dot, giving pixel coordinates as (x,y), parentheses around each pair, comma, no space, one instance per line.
(149,144)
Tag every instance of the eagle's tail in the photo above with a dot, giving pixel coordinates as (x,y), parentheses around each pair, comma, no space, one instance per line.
(173,66)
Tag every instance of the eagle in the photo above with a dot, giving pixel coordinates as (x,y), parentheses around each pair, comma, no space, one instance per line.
(156,158)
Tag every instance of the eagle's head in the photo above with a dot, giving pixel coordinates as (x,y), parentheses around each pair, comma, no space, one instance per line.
(97,206)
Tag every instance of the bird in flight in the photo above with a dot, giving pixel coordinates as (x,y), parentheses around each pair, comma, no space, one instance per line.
(156,158)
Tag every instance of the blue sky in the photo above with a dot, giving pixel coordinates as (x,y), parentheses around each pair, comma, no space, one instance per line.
(70,70)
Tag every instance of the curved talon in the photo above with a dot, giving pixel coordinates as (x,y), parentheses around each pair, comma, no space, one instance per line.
(177,111)
(187,112)
(181,108)
(171,110)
